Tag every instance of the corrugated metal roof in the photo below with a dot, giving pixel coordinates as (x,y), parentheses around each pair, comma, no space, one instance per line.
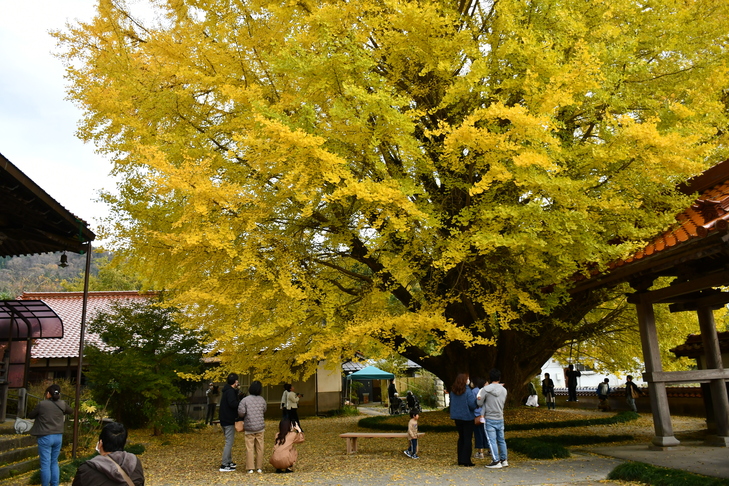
(28,319)
(68,306)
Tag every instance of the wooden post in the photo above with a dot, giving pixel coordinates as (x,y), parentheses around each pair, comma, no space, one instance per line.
(712,355)
(664,438)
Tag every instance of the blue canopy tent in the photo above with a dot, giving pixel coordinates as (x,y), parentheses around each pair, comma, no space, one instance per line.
(369,373)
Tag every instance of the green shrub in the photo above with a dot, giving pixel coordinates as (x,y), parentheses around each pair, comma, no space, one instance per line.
(136,449)
(400,423)
(621,417)
(385,422)
(555,446)
(658,476)
(66,473)
(68,470)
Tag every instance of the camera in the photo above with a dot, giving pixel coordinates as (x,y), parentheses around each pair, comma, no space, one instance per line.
(301,395)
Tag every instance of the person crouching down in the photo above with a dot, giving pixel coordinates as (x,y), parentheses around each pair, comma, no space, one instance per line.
(112,466)
(284,447)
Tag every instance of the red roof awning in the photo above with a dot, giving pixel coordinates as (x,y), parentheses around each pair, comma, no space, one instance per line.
(21,320)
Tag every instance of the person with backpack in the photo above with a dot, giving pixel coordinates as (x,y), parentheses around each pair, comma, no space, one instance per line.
(603,392)
(631,393)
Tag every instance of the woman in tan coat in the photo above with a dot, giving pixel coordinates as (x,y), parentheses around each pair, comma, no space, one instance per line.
(284,447)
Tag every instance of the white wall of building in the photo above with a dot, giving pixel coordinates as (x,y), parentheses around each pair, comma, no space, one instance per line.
(588,380)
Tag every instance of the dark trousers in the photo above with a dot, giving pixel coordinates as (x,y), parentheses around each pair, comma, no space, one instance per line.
(572,394)
(465,436)
(294,417)
(413,449)
(479,432)
(211,413)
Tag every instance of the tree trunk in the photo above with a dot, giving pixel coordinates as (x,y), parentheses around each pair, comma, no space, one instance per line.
(518,355)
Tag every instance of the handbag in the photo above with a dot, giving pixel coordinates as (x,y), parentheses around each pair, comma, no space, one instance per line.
(23,426)
(239,427)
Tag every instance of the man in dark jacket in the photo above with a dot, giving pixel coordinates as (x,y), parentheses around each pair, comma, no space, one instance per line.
(106,468)
(571,375)
(228,414)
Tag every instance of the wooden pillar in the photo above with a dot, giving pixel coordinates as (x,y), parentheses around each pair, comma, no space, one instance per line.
(712,355)
(664,438)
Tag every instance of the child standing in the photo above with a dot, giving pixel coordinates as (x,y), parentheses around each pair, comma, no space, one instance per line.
(412,451)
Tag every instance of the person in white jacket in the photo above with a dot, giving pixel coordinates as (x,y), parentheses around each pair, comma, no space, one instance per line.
(292,406)
(492,398)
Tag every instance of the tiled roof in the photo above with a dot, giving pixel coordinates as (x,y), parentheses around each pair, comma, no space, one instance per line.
(708,214)
(68,306)
(693,347)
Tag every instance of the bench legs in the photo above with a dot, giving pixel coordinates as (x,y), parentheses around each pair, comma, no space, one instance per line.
(351,445)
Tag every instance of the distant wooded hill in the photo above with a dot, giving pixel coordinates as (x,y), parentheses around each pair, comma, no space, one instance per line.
(41,273)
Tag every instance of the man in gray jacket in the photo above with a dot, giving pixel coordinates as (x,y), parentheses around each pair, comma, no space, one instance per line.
(112,466)
(492,397)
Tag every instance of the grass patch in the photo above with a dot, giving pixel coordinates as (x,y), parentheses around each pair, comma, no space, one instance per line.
(345,411)
(555,446)
(659,476)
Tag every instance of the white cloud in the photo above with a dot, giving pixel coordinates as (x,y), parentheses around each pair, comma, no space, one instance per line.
(37,124)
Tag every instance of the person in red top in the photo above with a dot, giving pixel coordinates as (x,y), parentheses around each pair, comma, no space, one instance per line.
(284,447)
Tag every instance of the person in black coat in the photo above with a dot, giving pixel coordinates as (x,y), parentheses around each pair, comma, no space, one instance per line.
(548,391)
(228,415)
(571,375)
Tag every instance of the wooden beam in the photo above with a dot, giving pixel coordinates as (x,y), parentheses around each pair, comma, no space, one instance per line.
(713,300)
(691,376)
(718,279)
(662,426)
(712,355)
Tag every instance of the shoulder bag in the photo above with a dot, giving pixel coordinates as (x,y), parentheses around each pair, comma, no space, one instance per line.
(123,473)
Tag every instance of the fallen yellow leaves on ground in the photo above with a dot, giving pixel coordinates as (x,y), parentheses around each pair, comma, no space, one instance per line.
(194,458)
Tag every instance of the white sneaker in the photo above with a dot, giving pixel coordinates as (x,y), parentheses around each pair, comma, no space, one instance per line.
(494,465)
(504,463)
(250,471)
(259,471)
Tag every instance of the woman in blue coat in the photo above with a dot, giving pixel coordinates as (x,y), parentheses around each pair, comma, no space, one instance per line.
(462,407)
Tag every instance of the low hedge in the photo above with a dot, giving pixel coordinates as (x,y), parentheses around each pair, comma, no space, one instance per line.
(619,418)
(385,422)
(659,476)
(555,446)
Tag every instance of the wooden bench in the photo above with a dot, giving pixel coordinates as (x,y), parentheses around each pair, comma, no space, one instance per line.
(353,436)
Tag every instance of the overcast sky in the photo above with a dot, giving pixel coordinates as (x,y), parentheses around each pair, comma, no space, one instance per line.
(37,125)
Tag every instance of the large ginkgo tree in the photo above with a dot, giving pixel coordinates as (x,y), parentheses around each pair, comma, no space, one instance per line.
(316,178)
